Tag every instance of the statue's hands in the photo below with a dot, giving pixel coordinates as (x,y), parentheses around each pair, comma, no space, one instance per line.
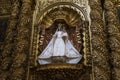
(65,34)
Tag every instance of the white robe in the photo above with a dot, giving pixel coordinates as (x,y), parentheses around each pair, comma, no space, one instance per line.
(59,47)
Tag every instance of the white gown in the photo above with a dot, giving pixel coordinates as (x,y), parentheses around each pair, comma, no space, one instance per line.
(59,47)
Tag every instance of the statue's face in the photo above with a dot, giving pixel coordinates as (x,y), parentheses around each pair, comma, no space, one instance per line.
(59,28)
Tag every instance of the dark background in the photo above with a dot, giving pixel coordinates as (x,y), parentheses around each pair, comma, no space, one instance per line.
(119,14)
(3,27)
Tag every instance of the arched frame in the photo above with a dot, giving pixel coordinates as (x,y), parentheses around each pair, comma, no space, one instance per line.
(81,11)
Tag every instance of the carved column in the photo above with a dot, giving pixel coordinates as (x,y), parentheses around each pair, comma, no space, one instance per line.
(100,65)
(5,58)
(113,37)
(20,60)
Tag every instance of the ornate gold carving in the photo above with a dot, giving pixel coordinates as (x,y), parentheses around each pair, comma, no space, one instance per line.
(5,7)
(18,69)
(5,58)
(43,4)
(72,19)
(114,37)
(117,3)
(18,62)
(60,72)
(100,66)
(59,10)
(33,55)
(15,56)
(81,10)
(86,44)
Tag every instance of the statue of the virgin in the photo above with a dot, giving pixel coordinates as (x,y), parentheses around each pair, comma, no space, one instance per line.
(60,47)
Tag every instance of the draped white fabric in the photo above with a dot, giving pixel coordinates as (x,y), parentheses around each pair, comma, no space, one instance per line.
(60,47)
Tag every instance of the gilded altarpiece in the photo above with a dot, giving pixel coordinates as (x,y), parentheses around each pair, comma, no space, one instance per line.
(93,29)
(46,18)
